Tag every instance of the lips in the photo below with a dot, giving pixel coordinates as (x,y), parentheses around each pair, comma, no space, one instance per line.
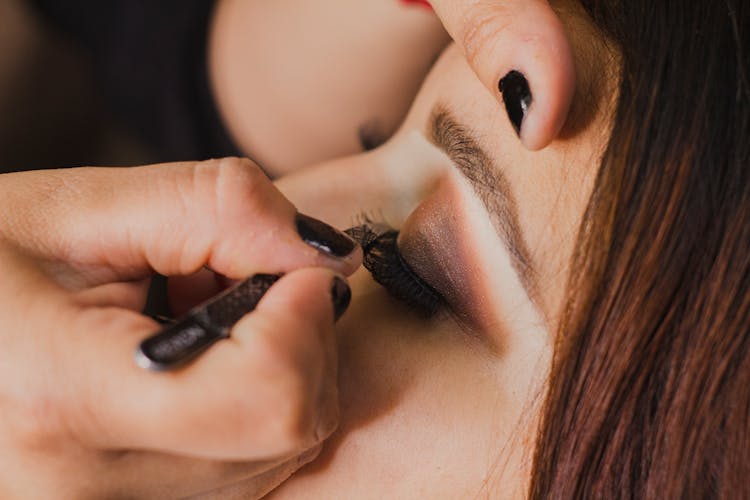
(423,3)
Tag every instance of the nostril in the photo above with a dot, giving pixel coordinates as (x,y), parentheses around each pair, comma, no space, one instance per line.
(371,135)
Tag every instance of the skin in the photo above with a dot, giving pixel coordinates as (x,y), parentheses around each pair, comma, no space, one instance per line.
(498,36)
(390,48)
(290,55)
(443,408)
(79,419)
(441,389)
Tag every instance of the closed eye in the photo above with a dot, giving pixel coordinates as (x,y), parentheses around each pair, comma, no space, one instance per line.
(388,268)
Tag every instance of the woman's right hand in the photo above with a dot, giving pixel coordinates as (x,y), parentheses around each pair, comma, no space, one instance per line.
(78,418)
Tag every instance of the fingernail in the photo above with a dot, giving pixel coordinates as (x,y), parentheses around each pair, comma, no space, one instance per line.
(341,295)
(325,238)
(516,96)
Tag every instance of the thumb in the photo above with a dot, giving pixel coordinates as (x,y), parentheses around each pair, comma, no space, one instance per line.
(121,224)
(520,51)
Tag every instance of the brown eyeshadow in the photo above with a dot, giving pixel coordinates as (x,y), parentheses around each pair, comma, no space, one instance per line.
(433,243)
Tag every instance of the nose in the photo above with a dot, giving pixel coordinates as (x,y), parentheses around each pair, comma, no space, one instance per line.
(387,183)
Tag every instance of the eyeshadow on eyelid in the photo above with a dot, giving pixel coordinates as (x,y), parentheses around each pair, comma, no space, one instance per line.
(490,185)
(433,243)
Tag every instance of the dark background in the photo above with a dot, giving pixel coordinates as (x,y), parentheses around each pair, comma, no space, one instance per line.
(52,110)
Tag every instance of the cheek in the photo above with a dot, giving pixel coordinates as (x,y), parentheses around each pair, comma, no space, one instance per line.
(424,411)
(552,197)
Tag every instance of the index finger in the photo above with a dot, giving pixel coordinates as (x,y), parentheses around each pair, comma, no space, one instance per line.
(520,51)
(108,224)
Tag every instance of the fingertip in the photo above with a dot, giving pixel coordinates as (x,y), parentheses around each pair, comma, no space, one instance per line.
(550,70)
(301,299)
(520,50)
(335,246)
(306,288)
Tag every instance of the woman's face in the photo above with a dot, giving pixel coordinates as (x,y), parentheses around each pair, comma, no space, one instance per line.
(447,407)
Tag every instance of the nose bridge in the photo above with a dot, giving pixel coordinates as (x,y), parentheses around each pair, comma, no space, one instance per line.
(385,184)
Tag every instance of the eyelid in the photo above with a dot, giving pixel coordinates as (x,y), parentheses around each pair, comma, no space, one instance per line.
(490,185)
(463,308)
(440,246)
(388,268)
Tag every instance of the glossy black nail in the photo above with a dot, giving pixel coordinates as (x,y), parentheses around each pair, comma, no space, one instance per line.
(517,97)
(325,238)
(341,295)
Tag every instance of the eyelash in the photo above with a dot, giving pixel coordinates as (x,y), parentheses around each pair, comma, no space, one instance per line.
(388,268)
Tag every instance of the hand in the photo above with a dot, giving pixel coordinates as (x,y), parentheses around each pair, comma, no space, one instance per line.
(519,46)
(78,418)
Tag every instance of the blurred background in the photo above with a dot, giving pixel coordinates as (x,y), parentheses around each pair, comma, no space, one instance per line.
(52,113)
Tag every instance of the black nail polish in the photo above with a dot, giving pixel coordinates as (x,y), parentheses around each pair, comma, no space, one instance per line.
(517,97)
(341,295)
(324,237)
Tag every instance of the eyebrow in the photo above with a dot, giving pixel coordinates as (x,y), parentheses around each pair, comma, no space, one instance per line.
(491,186)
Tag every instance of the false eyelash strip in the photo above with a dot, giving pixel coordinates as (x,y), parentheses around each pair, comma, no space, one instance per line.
(384,261)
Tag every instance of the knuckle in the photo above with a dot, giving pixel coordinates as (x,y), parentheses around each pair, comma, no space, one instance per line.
(218,178)
(240,174)
(240,169)
(243,191)
(213,200)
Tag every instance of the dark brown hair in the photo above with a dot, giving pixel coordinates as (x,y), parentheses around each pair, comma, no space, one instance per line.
(650,386)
